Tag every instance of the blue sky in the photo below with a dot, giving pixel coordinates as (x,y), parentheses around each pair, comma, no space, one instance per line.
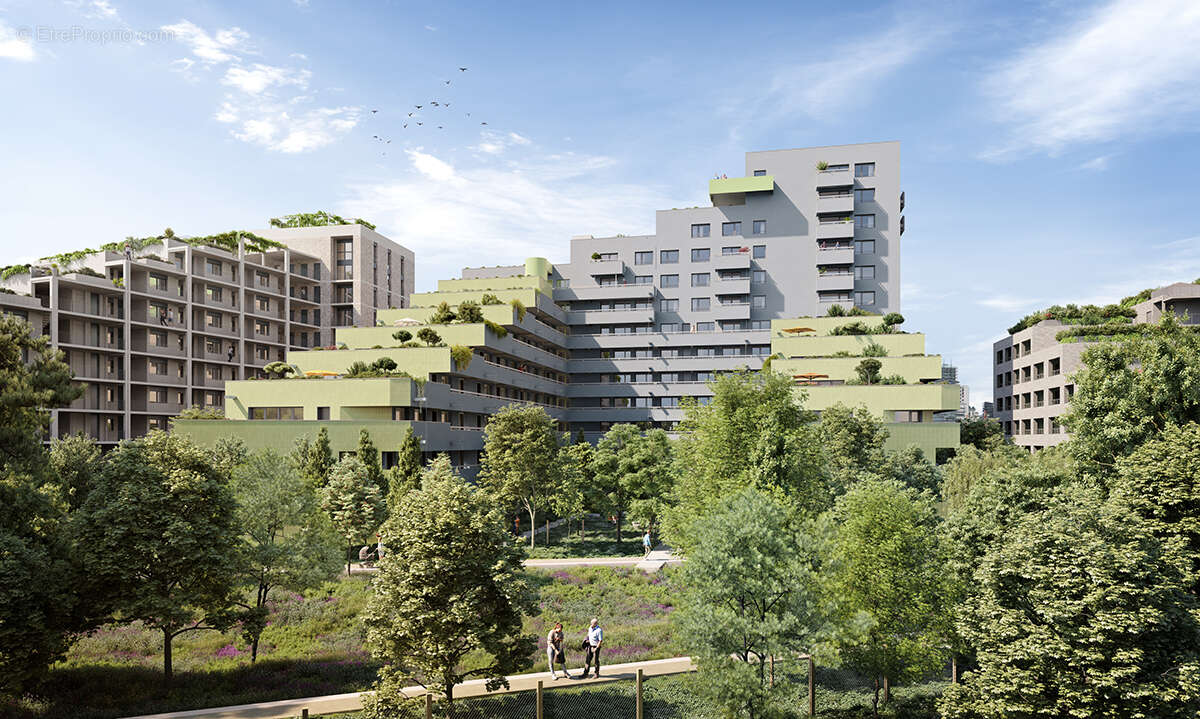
(1049,149)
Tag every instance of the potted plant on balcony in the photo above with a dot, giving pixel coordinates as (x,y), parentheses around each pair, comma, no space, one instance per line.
(595,257)
(822,166)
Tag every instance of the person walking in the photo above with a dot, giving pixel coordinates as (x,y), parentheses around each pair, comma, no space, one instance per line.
(646,544)
(595,637)
(555,651)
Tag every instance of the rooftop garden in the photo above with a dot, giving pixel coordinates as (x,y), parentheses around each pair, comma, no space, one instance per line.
(320,218)
(1119,313)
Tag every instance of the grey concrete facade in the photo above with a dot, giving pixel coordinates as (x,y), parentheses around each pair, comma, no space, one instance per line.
(1033,371)
(163,329)
(653,317)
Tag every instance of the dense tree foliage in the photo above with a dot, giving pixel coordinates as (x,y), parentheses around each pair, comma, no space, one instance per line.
(353,503)
(631,469)
(73,460)
(368,454)
(520,465)
(449,598)
(406,475)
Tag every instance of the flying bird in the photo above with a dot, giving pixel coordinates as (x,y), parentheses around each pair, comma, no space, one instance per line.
(374,111)
(406,124)
(446,105)
(439,127)
(410,114)
(419,106)
(462,69)
(434,103)
(483,123)
(447,82)
(420,123)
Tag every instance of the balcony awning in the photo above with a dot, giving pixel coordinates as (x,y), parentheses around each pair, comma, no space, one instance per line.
(732,190)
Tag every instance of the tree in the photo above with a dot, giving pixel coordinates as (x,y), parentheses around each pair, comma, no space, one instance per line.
(453,587)
(159,538)
(73,461)
(520,463)
(1129,391)
(751,595)
(402,335)
(469,312)
(384,364)
(576,492)
(886,567)
(722,443)
(353,503)
(40,604)
(910,467)
(442,315)
(1081,611)
(406,475)
(287,541)
(315,461)
(971,467)
(1160,481)
(227,454)
(429,336)
(853,441)
(868,370)
(632,468)
(981,432)
(369,456)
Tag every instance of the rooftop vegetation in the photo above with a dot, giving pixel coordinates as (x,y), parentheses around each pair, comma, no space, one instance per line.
(320,218)
(1112,314)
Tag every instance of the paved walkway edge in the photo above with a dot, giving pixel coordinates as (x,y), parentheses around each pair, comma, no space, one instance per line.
(338,703)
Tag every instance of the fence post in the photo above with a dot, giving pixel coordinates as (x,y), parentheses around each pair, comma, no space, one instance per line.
(954,669)
(812,687)
(304,713)
(638,702)
(772,671)
(428,706)
(539,699)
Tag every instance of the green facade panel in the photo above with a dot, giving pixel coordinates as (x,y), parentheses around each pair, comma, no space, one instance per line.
(335,393)
(882,399)
(913,369)
(929,436)
(733,185)
(826,345)
(281,435)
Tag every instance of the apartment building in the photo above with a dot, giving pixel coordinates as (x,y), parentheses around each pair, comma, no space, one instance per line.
(1033,367)
(155,330)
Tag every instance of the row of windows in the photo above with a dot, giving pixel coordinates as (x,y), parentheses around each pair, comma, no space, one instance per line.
(1040,398)
(276,413)
(673,352)
(861,298)
(699,254)
(729,229)
(607,402)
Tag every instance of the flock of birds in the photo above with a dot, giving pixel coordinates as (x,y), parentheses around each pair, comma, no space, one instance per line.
(416,119)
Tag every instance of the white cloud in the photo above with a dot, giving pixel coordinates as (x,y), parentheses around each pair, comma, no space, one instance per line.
(259,77)
(289,132)
(490,212)
(431,28)
(97,9)
(1096,164)
(1009,303)
(13,46)
(227,113)
(1130,68)
(495,143)
(219,47)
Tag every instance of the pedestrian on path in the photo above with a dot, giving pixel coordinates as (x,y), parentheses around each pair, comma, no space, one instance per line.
(646,544)
(555,652)
(595,637)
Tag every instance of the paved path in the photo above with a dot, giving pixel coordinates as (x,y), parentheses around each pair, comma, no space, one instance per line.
(659,557)
(337,703)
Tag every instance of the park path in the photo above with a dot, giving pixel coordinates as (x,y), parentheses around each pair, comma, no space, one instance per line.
(656,560)
(338,703)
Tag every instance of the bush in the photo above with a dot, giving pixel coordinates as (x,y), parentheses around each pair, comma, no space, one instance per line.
(836,311)
(868,371)
(387,364)
(519,306)
(490,299)
(469,312)
(893,379)
(443,315)
(892,319)
(496,329)
(856,327)
(461,354)
(874,349)
(402,335)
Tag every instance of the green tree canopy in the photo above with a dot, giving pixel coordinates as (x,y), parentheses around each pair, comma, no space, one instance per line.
(406,475)
(886,575)
(73,461)
(313,460)
(288,542)
(353,503)
(159,538)
(368,454)
(631,468)
(981,432)
(449,599)
(33,380)
(1129,391)
(752,419)
(750,595)
(1080,612)
(520,466)
(853,440)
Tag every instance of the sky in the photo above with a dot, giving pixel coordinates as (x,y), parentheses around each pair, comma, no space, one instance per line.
(1048,149)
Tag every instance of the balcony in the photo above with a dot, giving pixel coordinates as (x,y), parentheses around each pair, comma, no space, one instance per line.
(729,311)
(834,178)
(607,292)
(842,205)
(838,256)
(829,282)
(611,317)
(737,261)
(901,224)
(733,190)
(835,230)
(604,268)
(739,286)
(902,202)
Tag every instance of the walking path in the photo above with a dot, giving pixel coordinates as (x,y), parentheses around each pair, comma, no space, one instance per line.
(338,703)
(657,559)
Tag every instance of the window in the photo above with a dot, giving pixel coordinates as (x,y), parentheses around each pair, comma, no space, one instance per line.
(731,228)
(157,396)
(864,220)
(212,319)
(908,415)
(323,412)
(699,279)
(262,352)
(758,276)
(212,346)
(264,303)
(668,257)
(701,254)
(669,306)
(700,230)
(343,316)
(668,280)
(701,304)
(760,173)
(158,282)
(262,278)
(343,294)
(867,195)
(344,261)
(864,169)
(157,367)
(606,257)
(760,324)
(213,292)
(760,251)
(213,267)
(159,338)
(643,279)
(705,327)
(864,272)
(864,247)
(864,299)
(669,326)
(261,328)
(758,302)
(760,227)
(277,413)
(643,258)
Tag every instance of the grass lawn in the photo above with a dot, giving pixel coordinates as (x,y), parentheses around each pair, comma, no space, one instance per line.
(313,645)
(599,540)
